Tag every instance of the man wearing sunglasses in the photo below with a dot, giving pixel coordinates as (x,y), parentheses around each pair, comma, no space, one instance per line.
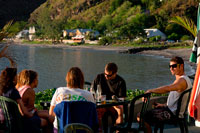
(113,86)
(163,112)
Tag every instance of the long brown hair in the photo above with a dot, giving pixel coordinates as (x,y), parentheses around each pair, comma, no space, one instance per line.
(75,78)
(26,77)
(7,79)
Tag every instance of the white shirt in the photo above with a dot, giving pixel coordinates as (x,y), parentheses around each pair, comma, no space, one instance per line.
(70,94)
(174,96)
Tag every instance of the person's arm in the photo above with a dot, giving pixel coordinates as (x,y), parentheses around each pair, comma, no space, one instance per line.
(29,96)
(51,114)
(179,85)
(94,84)
(23,110)
(122,90)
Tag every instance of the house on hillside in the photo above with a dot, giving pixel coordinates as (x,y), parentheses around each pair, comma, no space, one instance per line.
(155,32)
(26,34)
(22,34)
(31,33)
(78,39)
(82,32)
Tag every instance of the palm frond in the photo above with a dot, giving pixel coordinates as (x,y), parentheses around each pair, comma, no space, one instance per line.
(4,32)
(186,23)
(4,52)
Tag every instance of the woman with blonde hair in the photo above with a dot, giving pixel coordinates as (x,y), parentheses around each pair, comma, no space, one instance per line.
(73,92)
(27,80)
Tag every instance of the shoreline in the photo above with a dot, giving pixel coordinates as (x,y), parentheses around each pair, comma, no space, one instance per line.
(169,53)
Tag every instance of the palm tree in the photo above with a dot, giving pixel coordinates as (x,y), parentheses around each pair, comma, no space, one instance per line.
(4,53)
(186,23)
(4,31)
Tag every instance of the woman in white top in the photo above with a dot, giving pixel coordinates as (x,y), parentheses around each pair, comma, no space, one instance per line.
(73,92)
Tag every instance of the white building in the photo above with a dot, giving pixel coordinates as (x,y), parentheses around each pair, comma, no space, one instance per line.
(155,32)
(22,34)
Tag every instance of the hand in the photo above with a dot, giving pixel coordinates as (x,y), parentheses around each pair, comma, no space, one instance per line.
(148,91)
(157,105)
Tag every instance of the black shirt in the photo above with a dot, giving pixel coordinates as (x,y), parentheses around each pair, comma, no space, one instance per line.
(118,86)
(13,94)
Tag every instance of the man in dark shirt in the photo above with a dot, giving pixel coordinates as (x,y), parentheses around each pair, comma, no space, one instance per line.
(112,85)
(110,82)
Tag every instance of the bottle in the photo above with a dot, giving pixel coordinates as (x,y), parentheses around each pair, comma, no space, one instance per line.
(98,93)
(93,92)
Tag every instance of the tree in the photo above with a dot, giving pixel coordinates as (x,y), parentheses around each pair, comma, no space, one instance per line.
(16,27)
(49,28)
(105,24)
(4,31)
(185,23)
(134,28)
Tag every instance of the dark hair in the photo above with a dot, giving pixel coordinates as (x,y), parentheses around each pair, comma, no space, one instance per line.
(111,67)
(75,78)
(7,79)
(177,59)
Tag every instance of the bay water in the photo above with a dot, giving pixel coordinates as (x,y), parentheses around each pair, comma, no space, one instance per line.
(52,63)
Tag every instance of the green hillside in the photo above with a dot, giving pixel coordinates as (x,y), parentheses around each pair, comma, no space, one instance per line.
(120,18)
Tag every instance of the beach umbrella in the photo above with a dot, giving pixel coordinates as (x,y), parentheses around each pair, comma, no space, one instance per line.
(194,103)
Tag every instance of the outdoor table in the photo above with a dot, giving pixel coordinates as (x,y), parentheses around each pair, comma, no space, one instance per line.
(105,104)
(109,103)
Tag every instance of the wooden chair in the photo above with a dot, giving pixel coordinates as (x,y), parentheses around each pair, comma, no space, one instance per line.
(181,121)
(74,127)
(13,118)
(130,125)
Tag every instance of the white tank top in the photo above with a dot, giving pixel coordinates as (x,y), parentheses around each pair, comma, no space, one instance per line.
(174,96)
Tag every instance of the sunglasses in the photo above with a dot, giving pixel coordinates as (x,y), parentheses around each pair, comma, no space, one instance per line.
(173,66)
(108,75)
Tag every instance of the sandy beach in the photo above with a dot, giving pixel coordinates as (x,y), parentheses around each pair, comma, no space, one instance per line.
(168,53)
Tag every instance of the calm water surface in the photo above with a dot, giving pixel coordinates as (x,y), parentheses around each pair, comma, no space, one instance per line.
(139,71)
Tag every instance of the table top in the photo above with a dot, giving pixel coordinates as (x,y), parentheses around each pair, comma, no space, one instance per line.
(107,103)
(110,103)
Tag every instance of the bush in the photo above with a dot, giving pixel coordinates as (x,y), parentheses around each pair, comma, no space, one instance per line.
(154,38)
(140,40)
(185,37)
(45,95)
(173,36)
(105,40)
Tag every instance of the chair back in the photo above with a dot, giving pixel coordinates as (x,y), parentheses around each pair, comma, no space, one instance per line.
(13,118)
(84,112)
(182,107)
(74,127)
(144,107)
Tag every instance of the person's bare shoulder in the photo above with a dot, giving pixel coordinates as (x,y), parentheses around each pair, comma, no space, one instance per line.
(29,93)
(180,84)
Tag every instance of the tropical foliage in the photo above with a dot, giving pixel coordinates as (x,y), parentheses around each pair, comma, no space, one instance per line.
(4,31)
(186,23)
(119,19)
